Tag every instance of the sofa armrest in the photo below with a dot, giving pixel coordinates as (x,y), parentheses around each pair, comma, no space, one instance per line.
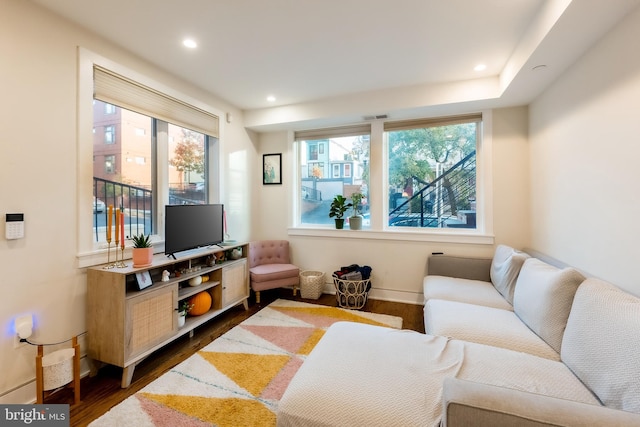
(460,267)
(469,403)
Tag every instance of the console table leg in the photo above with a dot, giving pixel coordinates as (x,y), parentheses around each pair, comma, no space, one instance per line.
(127,375)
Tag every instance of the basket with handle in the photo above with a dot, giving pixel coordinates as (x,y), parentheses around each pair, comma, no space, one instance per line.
(351,293)
(311,284)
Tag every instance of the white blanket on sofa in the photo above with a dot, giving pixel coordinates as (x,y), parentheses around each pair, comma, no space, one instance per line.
(371,376)
(362,375)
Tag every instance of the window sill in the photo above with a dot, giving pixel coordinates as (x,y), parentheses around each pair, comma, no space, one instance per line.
(396,235)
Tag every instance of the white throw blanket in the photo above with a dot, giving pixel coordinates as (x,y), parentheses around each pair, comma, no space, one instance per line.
(361,375)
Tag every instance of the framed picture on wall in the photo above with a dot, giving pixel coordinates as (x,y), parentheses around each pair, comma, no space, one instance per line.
(271,169)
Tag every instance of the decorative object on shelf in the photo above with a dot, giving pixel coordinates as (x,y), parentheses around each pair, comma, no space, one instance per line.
(165,276)
(142,252)
(121,264)
(195,281)
(271,169)
(205,278)
(355,220)
(201,303)
(235,253)
(184,309)
(109,226)
(338,208)
(144,279)
(219,257)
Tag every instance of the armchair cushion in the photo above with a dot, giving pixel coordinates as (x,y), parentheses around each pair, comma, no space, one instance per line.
(268,252)
(269,272)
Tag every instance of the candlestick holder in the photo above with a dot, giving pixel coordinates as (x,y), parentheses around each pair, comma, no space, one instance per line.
(109,264)
(121,264)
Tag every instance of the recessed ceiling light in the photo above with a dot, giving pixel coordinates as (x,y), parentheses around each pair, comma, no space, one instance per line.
(480,67)
(190,43)
(271,98)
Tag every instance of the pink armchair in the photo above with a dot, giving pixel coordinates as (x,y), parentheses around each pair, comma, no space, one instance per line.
(270,267)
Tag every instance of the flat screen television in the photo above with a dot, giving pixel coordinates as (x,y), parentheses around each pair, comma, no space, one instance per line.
(192,226)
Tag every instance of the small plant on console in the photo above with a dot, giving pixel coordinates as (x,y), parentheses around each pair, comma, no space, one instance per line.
(141,241)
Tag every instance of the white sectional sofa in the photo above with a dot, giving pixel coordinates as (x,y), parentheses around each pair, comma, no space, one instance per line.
(511,340)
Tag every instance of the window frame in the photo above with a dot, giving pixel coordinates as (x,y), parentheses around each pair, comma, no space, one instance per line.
(336,167)
(379,230)
(91,253)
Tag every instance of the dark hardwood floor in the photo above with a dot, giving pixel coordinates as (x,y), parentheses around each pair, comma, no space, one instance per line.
(102,392)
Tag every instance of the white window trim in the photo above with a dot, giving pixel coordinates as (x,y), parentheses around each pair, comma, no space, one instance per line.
(91,253)
(379,230)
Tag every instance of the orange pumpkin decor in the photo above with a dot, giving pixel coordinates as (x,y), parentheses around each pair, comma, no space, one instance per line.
(200,302)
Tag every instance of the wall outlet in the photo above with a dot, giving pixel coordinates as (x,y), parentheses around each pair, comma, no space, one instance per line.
(17,343)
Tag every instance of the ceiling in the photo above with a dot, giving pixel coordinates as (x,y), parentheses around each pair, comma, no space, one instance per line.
(335,61)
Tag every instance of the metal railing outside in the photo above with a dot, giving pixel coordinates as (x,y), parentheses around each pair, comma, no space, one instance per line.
(443,202)
(136,202)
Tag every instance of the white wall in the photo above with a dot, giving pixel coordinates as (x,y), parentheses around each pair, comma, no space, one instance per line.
(585,161)
(399,266)
(38,177)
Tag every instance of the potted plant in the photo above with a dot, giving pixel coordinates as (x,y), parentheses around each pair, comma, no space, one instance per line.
(355,220)
(142,252)
(339,206)
(183,310)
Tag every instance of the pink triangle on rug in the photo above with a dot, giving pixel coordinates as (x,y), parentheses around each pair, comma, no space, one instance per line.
(279,383)
(289,338)
(317,320)
(163,416)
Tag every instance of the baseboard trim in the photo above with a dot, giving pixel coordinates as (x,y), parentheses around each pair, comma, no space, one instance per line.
(385,295)
(25,394)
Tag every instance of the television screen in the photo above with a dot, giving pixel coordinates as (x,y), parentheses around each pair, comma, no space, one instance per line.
(192,226)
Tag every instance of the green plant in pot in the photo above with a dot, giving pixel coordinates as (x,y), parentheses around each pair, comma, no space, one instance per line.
(185,307)
(355,220)
(183,310)
(338,208)
(142,252)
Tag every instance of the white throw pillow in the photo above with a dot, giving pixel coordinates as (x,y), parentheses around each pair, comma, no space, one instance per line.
(601,343)
(543,298)
(505,267)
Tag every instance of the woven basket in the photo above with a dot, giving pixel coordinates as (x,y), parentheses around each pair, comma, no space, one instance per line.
(351,293)
(311,284)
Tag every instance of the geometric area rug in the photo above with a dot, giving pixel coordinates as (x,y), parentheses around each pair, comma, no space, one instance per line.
(239,378)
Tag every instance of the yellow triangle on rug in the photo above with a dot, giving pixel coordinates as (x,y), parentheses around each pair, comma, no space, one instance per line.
(239,378)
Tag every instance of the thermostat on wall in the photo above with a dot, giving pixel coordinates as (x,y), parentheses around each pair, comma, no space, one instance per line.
(14,227)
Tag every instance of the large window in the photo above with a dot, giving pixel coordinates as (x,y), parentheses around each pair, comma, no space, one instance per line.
(332,162)
(432,173)
(126,179)
(429,176)
(149,150)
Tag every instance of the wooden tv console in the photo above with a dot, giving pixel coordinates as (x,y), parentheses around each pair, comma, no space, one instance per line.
(126,324)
